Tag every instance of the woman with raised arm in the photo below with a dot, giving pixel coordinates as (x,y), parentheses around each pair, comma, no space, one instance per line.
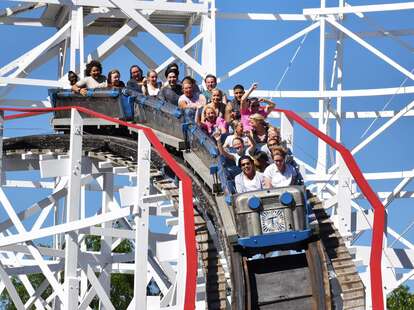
(249,106)
(238,145)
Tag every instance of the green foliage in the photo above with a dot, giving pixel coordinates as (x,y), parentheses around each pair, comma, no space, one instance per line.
(36,279)
(400,299)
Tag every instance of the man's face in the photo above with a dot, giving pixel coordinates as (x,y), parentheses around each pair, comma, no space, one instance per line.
(238,94)
(210,83)
(136,73)
(246,166)
(279,161)
(172,79)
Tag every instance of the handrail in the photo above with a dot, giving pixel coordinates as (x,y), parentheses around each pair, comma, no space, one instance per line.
(379,210)
(191,254)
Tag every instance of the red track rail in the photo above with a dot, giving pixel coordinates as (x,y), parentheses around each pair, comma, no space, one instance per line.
(379,210)
(379,213)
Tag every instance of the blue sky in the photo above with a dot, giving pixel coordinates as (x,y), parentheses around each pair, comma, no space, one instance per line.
(237,41)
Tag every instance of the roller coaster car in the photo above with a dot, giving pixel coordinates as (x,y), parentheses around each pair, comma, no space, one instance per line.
(173,126)
(110,102)
(274,219)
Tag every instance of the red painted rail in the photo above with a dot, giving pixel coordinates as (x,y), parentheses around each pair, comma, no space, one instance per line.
(379,210)
(191,254)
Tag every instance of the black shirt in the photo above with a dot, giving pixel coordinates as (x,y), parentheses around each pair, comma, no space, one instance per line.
(171,94)
(133,85)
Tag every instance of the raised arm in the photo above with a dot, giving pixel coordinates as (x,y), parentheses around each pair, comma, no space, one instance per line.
(270,105)
(252,144)
(243,101)
(223,152)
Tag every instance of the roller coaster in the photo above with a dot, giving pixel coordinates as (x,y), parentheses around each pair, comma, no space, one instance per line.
(271,249)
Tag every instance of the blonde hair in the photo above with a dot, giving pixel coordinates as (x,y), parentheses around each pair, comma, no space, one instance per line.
(209,107)
(257,117)
(278,150)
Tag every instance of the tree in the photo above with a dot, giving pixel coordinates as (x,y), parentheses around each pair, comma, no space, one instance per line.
(400,299)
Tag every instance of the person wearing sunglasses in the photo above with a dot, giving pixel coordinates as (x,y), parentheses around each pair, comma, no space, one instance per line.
(279,173)
(249,179)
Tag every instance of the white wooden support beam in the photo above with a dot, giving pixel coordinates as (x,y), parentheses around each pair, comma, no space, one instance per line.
(268,52)
(264,16)
(390,198)
(371,48)
(360,9)
(199,8)
(128,9)
(113,42)
(140,54)
(376,133)
(102,294)
(74,39)
(142,222)
(106,241)
(344,208)
(71,285)
(286,130)
(322,121)
(184,48)
(22,62)
(7,12)
(1,148)
(333,93)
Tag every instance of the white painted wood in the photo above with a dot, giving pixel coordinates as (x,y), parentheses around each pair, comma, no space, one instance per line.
(141,222)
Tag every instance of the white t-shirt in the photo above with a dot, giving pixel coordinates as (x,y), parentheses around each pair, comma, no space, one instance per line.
(244,184)
(279,179)
(90,82)
(229,141)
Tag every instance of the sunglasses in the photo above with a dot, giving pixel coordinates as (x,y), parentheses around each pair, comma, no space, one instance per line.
(272,144)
